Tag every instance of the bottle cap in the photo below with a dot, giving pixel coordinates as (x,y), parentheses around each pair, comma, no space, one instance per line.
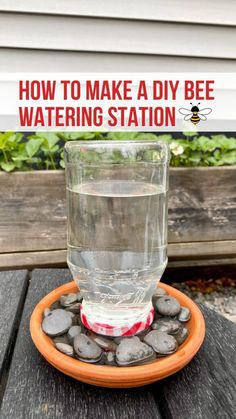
(128,329)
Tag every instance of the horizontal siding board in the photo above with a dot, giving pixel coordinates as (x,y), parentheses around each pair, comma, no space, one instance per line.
(15,60)
(220,13)
(120,36)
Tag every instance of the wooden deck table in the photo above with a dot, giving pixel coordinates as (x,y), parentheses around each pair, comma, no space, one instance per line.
(30,388)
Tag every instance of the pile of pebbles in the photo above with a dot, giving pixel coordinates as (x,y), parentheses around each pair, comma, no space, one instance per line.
(167,332)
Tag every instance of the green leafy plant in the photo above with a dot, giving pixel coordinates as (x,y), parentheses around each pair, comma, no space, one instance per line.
(48,147)
(217,150)
(44,150)
(79,136)
(9,148)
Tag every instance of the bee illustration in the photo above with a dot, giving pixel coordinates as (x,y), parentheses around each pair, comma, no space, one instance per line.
(195,114)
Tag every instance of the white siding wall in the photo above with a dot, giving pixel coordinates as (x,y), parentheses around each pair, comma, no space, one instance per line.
(117,35)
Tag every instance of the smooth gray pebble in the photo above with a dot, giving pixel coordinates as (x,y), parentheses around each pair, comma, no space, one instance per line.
(86,349)
(167,325)
(161,342)
(57,323)
(61,339)
(73,332)
(182,335)
(167,306)
(104,343)
(65,349)
(46,312)
(184,315)
(109,358)
(68,299)
(131,351)
(74,308)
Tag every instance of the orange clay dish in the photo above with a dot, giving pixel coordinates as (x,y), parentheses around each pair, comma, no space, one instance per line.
(118,377)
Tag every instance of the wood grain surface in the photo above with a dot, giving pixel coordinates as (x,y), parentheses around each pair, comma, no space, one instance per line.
(32,211)
(57,258)
(206,388)
(180,255)
(36,390)
(202,215)
(13,285)
(202,204)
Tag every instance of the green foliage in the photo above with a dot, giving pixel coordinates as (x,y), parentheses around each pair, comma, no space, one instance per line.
(49,149)
(44,150)
(9,148)
(217,150)
(80,136)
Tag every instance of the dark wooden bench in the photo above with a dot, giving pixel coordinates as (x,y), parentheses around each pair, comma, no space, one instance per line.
(30,388)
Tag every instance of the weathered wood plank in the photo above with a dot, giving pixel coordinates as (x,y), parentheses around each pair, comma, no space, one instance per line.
(29,260)
(202,216)
(202,207)
(202,204)
(57,258)
(206,388)
(194,263)
(204,249)
(35,389)
(180,255)
(88,34)
(32,211)
(221,13)
(13,285)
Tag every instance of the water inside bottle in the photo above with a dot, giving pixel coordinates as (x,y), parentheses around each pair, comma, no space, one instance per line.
(117,245)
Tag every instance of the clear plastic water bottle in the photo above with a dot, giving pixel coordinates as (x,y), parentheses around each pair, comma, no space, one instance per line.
(117,230)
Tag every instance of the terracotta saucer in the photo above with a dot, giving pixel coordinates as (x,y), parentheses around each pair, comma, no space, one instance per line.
(108,376)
